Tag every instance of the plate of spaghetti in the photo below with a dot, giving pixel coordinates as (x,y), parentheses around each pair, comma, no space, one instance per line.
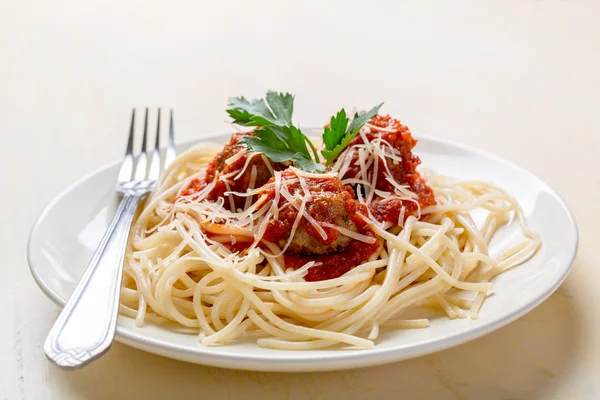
(284,248)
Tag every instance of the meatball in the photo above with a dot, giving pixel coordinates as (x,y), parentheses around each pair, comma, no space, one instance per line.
(228,173)
(330,207)
(331,204)
(241,183)
(229,150)
(399,137)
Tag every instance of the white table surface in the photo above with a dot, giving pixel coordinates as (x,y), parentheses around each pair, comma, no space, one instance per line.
(520,78)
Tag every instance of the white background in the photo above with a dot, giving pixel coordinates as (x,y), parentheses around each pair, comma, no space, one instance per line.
(519,78)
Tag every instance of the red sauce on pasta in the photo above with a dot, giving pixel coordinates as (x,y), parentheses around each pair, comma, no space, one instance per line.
(403,172)
(279,228)
(335,265)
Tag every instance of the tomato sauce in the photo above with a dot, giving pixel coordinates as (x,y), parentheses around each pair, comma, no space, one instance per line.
(335,265)
(242,183)
(240,245)
(322,208)
(280,228)
(195,186)
(404,172)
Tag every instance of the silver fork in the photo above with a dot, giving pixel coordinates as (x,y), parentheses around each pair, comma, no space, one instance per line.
(86,326)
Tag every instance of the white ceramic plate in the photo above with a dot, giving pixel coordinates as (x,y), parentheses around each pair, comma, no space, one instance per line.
(67,232)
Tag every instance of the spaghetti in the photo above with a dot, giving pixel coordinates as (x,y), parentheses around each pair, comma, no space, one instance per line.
(298,260)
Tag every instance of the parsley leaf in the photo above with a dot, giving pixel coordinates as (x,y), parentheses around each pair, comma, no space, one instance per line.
(282,106)
(338,135)
(267,142)
(336,130)
(276,136)
(278,139)
(307,164)
(295,139)
(281,144)
(276,110)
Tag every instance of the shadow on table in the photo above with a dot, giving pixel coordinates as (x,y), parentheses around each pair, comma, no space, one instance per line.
(523,360)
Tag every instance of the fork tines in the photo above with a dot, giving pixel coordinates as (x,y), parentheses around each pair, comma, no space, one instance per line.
(142,172)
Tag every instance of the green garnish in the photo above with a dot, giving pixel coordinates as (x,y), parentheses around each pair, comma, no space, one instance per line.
(277,110)
(283,143)
(338,134)
(278,139)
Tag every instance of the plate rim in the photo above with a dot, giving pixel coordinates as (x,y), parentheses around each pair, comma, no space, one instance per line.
(338,359)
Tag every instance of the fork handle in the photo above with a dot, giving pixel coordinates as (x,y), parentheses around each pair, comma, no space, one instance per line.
(86,326)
